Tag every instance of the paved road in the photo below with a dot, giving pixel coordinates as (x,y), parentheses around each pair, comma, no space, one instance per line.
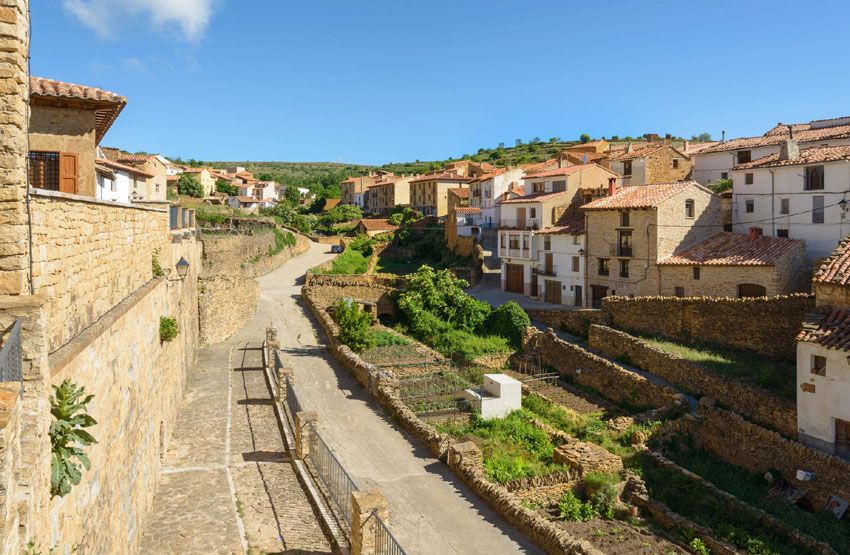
(430,511)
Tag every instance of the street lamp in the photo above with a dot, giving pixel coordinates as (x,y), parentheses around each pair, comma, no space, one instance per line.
(182,268)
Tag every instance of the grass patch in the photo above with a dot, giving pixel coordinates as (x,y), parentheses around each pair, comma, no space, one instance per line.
(776,376)
(351,261)
(386,339)
(397,266)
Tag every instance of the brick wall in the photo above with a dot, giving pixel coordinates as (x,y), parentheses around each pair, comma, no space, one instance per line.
(765,325)
(748,445)
(753,402)
(89,255)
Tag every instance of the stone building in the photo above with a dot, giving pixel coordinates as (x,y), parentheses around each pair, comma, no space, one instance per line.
(204,177)
(120,182)
(734,265)
(67,123)
(388,193)
(375,226)
(582,182)
(429,193)
(152,164)
(485,191)
(648,163)
(634,227)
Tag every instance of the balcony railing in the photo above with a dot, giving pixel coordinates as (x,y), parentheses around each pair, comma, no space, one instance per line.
(526,223)
(624,251)
(514,253)
(546,270)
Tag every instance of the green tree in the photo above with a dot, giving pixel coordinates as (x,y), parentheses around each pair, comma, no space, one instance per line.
(189,186)
(554,140)
(509,320)
(355,325)
(702,137)
(585,138)
(291,194)
(615,137)
(223,186)
(519,142)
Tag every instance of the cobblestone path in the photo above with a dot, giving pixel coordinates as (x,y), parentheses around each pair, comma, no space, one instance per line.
(227,484)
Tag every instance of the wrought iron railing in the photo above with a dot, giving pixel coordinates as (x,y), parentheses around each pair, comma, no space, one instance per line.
(385,542)
(292,402)
(336,480)
(11,358)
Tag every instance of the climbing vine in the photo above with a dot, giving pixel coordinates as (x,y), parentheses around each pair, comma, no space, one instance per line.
(67,436)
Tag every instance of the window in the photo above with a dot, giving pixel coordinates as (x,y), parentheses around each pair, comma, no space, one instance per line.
(576,240)
(679,291)
(525,242)
(624,268)
(547,243)
(748,178)
(749,206)
(532,213)
(724,175)
(604,266)
(818,365)
(538,187)
(817,210)
(814,178)
(624,218)
(624,242)
(783,206)
(44,170)
(744,156)
(696,272)
(675,163)
(627,168)
(782,233)
(689,208)
(513,242)
(559,186)
(575,264)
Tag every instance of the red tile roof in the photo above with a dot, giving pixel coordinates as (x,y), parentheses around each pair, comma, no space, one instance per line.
(468,210)
(489,175)
(373,224)
(776,136)
(118,155)
(589,156)
(460,193)
(535,197)
(106,105)
(640,150)
(441,176)
(560,171)
(572,227)
(836,268)
(814,155)
(123,167)
(641,196)
(732,249)
(828,327)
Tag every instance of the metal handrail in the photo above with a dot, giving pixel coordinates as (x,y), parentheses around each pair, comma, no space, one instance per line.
(336,480)
(11,357)
(385,542)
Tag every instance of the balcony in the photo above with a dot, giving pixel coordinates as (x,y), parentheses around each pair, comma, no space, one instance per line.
(522,223)
(625,252)
(515,253)
(546,271)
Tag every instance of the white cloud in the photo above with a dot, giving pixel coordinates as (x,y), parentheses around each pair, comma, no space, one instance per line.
(191,17)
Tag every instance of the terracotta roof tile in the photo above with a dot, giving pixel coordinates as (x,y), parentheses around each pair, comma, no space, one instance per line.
(571,227)
(814,155)
(377,224)
(123,167)
(535,197)
(441,176)
(560,171)
(829,327)
(460,193)
(106,105)
(639,150)
(468,210)
(836,268)
(775,137)
(733,249)
(640,196)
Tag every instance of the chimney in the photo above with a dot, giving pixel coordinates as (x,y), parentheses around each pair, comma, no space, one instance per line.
(790,131)
(629,147)
(723,136)
(789,150)
(612,186)
(686,146)
(755,233)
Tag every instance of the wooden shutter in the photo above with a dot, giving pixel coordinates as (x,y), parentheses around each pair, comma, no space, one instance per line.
(69,173)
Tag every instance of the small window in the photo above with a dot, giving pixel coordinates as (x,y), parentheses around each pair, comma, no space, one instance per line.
(744,156)
(44,170)
(724,175)
(782,233)
(689,208)
(604,266)
(624,218)
(576,240)
(818,365)
(627,168)
(749,206)
(679,291)
(525,242)
(547,243)
(538,187)
(576,264)
(748,178)
(814,178)
(817,210)
(675,163)
(513,242)
(532,213)
(696,272)
(624,268)
(624,242)
(783,206)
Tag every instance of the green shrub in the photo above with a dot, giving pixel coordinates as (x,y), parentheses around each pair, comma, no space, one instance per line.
(363,244)
(205,215)
(348,263)
(168,329)
(699,547)
(282,240)
(572,508)
(188,185)
(67,437)
(355,325)
(387,339)
(508,321)
(222,186)
(156,267)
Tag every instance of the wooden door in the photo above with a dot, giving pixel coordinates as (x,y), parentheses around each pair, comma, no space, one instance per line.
(578,298)
(553,292)
(520,218)
(69,174)
(514,278)
(842,438)
(550,263)
(534,291)
(598,292)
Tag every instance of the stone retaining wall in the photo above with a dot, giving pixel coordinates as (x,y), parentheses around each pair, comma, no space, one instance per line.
(747,445)
(575,322)
(225,304)
(360,280)
(764,325)
(611,380)
(753,402)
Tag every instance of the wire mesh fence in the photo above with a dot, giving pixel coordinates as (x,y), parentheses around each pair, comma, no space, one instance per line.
(335,479)
(385,542)
(436,393)
(11,361)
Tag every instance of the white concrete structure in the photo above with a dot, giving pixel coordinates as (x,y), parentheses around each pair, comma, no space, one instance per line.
(500,396)
(120,183)
(560,268)
(469,221)
(251,204)
(796,195)
(485,191)
(261,190)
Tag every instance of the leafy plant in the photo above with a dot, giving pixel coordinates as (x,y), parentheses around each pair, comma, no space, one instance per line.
(387,339)
(67,436)
(354,325)
(156,267)
(572,508)
(188,185)
(699,547)
(168,328)
(363,244)
(222,186)
(508,321)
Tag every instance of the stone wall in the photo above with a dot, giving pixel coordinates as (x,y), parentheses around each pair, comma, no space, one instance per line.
(370,280)
(766,326)
(90,255)
(749,446)
(225,304)
(583,367)
(753,402)
(575,322)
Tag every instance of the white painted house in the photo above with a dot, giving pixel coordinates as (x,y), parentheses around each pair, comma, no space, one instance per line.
(561,263)
(260,190)
(485,191)
(796,193)
(119,182)
(715,162)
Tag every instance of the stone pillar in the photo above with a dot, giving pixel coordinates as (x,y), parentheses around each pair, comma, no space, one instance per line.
(14,126)
(284,374)
(304,422)
(364,506)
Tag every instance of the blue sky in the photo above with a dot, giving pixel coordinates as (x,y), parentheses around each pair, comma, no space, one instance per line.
(381,81)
